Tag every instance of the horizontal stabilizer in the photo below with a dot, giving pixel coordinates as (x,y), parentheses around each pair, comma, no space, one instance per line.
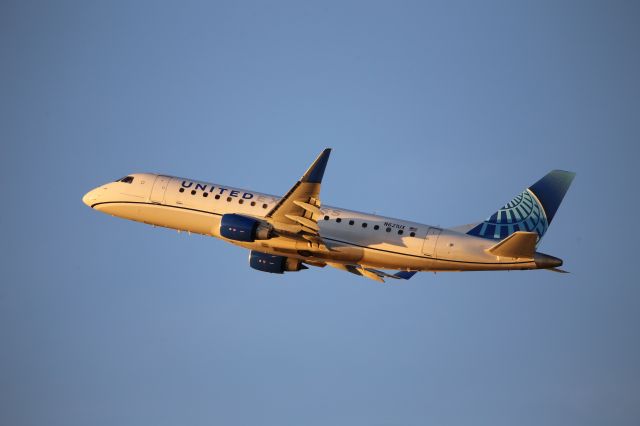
(561,271)
(520,244)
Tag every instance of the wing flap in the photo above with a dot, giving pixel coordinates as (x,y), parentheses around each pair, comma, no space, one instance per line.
(304,221)
(315,211)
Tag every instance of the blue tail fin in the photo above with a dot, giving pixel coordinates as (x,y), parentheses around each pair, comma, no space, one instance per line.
(531,211)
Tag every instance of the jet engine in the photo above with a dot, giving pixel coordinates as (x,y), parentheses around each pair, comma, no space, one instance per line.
(273,263)
(243,228)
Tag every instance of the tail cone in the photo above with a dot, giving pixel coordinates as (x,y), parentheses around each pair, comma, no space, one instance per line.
(544,261)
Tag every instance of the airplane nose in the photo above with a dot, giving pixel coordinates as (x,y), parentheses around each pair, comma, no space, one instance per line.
(89,198)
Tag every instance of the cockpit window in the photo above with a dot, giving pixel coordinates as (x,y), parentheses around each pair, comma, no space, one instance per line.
(126,179)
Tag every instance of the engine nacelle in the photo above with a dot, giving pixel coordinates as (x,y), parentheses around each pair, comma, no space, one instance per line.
(243,228)
(273,263)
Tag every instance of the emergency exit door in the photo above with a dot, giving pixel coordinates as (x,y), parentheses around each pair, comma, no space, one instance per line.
(159,187)
(429,245)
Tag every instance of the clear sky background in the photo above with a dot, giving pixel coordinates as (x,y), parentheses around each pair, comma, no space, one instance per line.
(437,112)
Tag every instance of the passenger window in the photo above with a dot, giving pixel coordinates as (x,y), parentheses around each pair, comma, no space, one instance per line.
(376,227)
(217,197)
(264,206)
(351,222)
(229,199)
(253,203)
(193,192)
(240,201)
(400,232)
(326,218)
(205,194)
(388,229)
(413,234)
(181,190)
(364,224)
(338,220)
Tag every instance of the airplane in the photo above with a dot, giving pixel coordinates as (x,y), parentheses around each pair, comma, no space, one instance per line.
(285,234)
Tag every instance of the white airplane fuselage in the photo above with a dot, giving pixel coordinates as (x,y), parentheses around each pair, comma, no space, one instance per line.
(350,237)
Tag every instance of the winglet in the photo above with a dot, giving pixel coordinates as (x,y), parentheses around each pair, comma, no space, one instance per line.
(315,173)
(405,275)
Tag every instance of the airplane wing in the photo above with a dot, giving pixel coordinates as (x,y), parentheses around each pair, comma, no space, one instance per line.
(299,210)
(372,274)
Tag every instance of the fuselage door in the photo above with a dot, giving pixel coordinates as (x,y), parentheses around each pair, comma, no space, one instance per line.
(429,245)
(159,187)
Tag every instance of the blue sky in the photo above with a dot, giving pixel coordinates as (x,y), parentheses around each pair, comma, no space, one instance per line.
(437,112)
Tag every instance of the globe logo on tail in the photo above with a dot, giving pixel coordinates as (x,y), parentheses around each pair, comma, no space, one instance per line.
(523,213)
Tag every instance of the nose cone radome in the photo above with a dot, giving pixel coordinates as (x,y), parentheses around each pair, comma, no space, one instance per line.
(89,198)
(544,261)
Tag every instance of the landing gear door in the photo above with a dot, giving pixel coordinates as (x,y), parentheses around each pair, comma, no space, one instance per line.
(159,187)
(429,245)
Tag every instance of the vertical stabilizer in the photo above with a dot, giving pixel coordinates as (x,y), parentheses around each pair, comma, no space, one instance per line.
(531,211)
